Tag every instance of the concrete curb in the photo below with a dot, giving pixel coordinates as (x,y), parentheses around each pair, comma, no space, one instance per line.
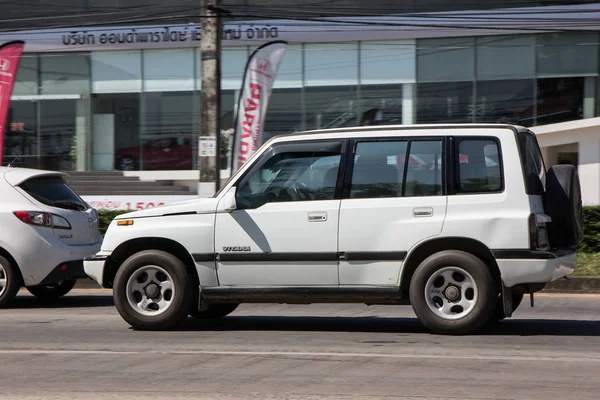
(575,284)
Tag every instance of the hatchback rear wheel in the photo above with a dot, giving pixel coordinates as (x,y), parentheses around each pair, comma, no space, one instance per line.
(52,291)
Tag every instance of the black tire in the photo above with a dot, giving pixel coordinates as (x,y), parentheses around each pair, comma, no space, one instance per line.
(13,282)
(498,315)
(214,311)
(53,291)
(128,163)
(562,202)
(180,300)
(484,305)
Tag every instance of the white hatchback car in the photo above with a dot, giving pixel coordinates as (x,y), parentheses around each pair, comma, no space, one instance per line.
(47,231)
(460,221)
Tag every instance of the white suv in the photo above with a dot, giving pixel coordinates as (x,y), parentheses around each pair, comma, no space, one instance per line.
(459,221)
(46,232)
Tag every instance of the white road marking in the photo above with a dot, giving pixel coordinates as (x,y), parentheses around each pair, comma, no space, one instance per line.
(483,357)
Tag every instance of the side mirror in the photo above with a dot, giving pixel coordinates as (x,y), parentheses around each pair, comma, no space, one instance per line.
(229,203)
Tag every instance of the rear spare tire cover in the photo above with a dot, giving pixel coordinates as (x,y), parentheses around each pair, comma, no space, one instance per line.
(562,202)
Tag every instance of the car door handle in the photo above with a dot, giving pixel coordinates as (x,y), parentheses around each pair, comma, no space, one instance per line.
(317,217)
(423,212)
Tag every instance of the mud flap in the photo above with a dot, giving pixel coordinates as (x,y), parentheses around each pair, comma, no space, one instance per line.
(507,301)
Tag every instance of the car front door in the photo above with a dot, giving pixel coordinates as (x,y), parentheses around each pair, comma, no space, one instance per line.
(392,200)
(284,230)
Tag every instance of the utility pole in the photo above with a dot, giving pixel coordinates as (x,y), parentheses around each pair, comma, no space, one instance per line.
(210,98)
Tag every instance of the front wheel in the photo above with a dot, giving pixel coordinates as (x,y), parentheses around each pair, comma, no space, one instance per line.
(214,311)
(152,290)
(453,292)
(52,291)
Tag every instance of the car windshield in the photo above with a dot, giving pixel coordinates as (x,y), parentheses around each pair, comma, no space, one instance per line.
(53,191)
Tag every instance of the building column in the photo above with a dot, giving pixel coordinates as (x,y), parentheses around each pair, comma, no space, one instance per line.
(589,97)
(408,103)
(82,134)
(589,169)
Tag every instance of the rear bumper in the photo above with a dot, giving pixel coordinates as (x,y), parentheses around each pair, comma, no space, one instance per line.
(70,270)
(38,253)
(94,267)
(526,266)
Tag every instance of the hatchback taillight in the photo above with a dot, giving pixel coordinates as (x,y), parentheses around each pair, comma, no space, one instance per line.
(44,219)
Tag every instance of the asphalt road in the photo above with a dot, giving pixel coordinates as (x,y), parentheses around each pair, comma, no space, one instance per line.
(82,349)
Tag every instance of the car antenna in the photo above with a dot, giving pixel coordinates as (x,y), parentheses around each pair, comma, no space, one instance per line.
(18,157)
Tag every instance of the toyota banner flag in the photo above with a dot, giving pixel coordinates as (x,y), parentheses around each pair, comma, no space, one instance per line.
(261,69)
(10,56)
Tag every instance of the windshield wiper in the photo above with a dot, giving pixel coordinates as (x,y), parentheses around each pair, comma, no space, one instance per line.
(73,204)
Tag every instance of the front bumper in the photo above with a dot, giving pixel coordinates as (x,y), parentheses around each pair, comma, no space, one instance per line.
(526,266)
(94,267)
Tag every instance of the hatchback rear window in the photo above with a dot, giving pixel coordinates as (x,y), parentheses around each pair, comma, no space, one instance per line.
(533,164)
(53,191)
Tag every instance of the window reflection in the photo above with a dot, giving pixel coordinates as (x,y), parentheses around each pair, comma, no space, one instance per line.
(506,101)
(445,102)
(559,100)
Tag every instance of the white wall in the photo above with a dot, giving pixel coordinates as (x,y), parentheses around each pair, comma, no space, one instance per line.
(586,135)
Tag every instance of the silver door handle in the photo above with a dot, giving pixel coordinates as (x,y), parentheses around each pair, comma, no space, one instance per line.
(317,217)
(423,212)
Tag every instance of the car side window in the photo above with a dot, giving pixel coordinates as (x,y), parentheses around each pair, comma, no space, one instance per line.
(378,169)
(381,169)
(424,172)
(291,176)
(478,166)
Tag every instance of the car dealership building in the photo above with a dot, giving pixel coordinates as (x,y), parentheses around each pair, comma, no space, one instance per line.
(126,97)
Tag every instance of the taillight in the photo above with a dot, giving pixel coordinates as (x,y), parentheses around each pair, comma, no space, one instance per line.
(538,234)
(47,220)
(532,232)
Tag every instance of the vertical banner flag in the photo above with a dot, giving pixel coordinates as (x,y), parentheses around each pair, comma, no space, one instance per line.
(10,56)
(261,69)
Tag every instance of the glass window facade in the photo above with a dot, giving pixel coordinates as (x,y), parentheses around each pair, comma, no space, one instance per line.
(140,109)
(521,79)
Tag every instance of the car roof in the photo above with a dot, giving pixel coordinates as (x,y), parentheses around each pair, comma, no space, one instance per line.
(360,131)
(16,176)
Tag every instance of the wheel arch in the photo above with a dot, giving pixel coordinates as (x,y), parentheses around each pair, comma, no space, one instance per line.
(133,246)
(427,248)
(4,253)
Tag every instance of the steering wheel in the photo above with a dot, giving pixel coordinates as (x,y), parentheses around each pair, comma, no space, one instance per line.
(301,191)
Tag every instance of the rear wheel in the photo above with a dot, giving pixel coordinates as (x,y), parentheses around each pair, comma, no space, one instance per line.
(10,281)
(152,290)
(214,311)
(453,292)
(52,291)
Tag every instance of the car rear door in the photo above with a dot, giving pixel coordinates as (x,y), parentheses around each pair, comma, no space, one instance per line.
(393,198)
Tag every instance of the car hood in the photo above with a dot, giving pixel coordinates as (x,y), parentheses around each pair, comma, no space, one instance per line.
(192,206)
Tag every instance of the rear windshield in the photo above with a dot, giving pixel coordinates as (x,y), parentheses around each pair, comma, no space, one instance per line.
(53,191)
(533,164)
